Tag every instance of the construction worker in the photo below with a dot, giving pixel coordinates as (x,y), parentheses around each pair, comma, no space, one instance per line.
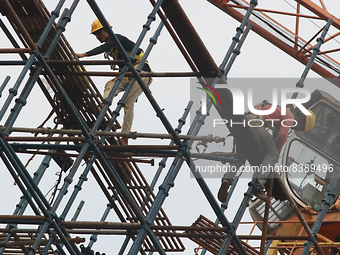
(272,147)
(110,50)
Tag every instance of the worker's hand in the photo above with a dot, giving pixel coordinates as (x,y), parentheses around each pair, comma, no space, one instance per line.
(81,55)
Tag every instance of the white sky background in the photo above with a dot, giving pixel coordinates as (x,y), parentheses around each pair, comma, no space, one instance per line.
(186,202)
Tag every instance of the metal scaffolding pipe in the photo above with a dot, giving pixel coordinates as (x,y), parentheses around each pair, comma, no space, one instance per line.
(4,84)
(63,62)
(94,236)
(166,233)
(37,46)
(297,212)
(76,240)
(85,62)
(22,205)
(16,50)
(72,132)
(266,217)
(109,148)
(316,50)
(14,18)
(153,102)
(178,130)
(327,202)
(130,74)
(21,101)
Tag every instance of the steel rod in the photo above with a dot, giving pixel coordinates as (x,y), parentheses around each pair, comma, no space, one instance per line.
(22,205)
(178,234)
(162,163)
(327,202)
(316,50)
(94,236)
(4,84)
(130,74)
(297,211)
(198,122)
(237,50)
(79,208)
(21,101)
(37,46)
(16,50)
(266,216)
(14,18)
(43,242)
(72,132)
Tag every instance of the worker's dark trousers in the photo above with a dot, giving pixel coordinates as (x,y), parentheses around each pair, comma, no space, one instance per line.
(270,158)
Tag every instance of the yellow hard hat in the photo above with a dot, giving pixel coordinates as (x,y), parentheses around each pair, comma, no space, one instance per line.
(96,25)
(310,121)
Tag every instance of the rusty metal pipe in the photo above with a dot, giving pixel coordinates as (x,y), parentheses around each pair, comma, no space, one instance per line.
(132,135)
(129,74)
(85,62)
(76,240)
(176,39)
(266,216)
(19,50)
(44,139)
(189,37)
(13,16)
(297,212)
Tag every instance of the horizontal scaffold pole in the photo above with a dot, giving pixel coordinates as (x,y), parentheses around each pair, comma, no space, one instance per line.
(129,74)
(132,135)
(76,240)
(175,234)
(60,62)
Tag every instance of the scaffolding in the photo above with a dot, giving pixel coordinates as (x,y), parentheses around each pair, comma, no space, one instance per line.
(89,136)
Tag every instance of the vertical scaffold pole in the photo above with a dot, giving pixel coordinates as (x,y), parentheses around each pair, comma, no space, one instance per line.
(13,91)
(162,163)
(22,205)
(93,237)
(224,205)
(31,186)
(4,84)
(184,154)
(236,52)
(199,118)
(316,50)
(21,101)
(327,202)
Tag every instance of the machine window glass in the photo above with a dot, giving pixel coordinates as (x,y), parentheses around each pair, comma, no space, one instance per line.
(325,134)
(309,173)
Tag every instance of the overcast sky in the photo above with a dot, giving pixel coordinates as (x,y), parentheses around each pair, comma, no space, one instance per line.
(259,59)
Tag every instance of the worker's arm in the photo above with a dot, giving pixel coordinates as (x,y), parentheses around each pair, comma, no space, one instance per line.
(81,55)
(98,50)
(282,136)
(287,121)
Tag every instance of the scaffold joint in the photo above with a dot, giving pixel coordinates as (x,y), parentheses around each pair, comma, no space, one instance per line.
(254,2)
(21,101)
(107,101)
(13,91)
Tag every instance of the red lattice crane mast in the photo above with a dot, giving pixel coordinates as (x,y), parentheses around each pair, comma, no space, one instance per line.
(296,41)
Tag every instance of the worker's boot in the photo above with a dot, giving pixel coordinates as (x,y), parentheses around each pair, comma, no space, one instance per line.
(223,191)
